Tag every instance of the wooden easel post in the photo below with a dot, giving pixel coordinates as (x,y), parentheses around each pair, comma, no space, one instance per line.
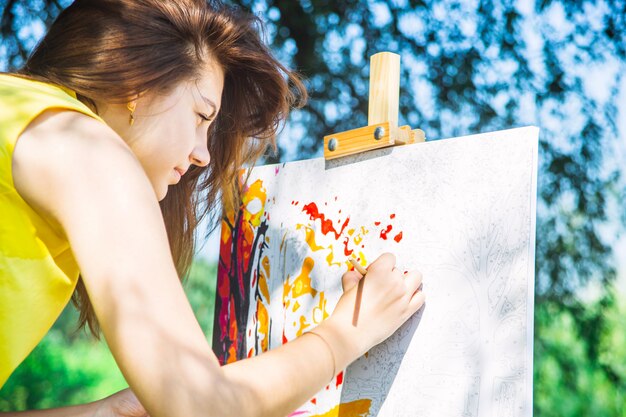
(384,94)
(384,101)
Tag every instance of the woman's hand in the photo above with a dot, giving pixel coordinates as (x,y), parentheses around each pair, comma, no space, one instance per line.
(386,300)
(121,404)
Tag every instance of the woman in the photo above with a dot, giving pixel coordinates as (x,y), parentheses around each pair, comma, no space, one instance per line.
(128,116)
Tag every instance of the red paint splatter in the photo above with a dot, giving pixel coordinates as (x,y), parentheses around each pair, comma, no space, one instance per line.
(398,237)
(339,379)
(284,338)
(383,233)
(376,223)
(314,400)
(393,216)
(347,251)
(327,225)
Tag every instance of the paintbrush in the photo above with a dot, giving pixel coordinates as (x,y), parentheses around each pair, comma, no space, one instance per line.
(359,291)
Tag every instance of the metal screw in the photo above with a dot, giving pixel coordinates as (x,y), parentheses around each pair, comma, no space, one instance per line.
(379,132)
(332,144)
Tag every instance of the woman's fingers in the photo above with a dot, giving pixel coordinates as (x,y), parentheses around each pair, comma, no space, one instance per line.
(417,301)
(385,263)
(350,279)
(412,280)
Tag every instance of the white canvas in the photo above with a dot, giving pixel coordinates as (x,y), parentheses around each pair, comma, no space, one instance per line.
(461,211)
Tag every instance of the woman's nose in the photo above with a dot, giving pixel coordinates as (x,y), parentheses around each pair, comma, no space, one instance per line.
(200,155)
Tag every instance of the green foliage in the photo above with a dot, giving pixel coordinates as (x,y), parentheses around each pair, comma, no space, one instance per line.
(567,381)
(70,367)
(200,289)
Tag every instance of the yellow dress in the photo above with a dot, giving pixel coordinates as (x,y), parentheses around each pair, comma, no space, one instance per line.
(38,272)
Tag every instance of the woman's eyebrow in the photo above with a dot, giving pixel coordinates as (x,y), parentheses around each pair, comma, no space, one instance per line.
(210,103)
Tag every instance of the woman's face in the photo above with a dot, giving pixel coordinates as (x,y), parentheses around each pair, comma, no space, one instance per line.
(169,132)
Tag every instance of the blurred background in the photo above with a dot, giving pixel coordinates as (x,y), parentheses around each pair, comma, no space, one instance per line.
(467,67)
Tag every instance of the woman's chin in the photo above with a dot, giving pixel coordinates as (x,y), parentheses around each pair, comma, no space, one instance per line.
(162,193)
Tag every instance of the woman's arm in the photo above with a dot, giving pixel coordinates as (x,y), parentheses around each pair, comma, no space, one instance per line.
(83,410)
(86,179)
(121,404)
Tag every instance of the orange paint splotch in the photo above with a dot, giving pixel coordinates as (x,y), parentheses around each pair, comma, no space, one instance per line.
(265,263)
(302,284)
(398,237)
(232,334)
(264,321)
(265,292)
(286,290)
(357,408)
(310,237)
(226,232)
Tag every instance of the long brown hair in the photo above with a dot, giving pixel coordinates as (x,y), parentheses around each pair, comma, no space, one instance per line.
(112,50)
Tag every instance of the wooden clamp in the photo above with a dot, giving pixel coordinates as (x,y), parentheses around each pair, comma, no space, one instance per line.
(382,119)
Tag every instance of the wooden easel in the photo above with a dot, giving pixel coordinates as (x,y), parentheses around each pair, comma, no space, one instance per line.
(382,128)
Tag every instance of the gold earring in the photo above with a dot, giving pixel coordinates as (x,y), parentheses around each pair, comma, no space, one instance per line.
(131,107)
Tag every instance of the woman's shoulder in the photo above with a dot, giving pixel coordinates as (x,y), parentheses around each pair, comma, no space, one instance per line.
(64,151)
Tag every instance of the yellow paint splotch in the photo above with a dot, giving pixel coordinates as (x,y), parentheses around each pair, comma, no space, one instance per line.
(253,201)
(310,237)
(358,408)
(319,312)
(303,326)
